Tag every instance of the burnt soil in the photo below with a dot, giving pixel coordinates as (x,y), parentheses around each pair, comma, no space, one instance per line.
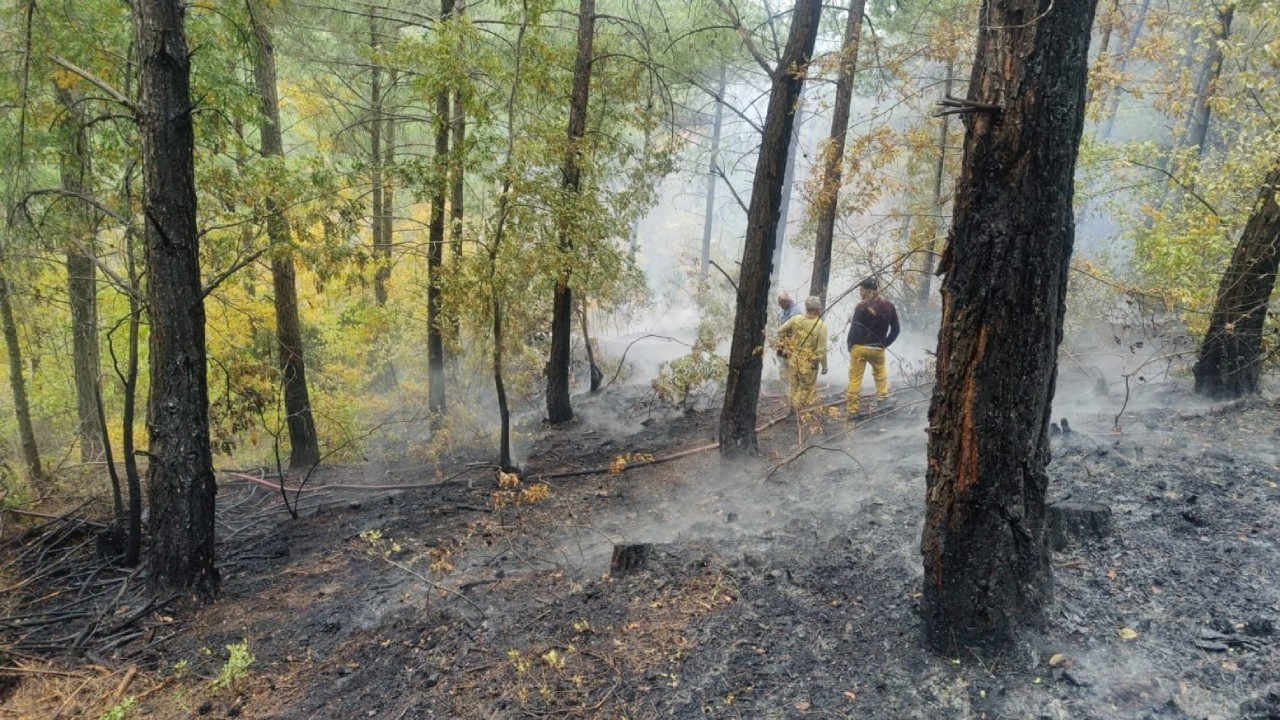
(781,588)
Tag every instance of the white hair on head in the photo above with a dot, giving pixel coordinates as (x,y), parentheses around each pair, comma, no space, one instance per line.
(782,295)
(813,302)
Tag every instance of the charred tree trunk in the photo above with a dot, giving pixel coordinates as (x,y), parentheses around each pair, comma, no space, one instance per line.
(746,356)
(180,473)
(129,387)
(939,172)
(1231,354)
(833,153)
(1198,119)
(1113,94)
(713,173)
(18,383)
(82,290)
(597,375)
(304,448)
(559,409)
(986,568)
(129,378)
(435,251)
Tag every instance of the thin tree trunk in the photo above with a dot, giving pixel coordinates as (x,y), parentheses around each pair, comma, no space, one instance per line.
(788,183)
(939,172)
(1230,362)
(381,253)
(304,448)
(986,566)
(129,379)
(133,546)
(833,153)
(713,172)
(18,383)
(742,390)
(596,374)
(1201,109)
(1108,28)
(1122,62)
(435,251)
(82,290)
(388,213)
(180,473)
(559,409)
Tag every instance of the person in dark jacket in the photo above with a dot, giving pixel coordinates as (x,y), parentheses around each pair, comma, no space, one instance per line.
(874,328)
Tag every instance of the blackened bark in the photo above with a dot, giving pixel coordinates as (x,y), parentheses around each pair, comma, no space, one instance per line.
(833,153)
(1206,80)
(304,448)
(559,409)
(1113,94)
(1231,354)
(18,383)
(746,354)
(939,171)
(713,173)
(180,472)
(597,375)
(435,251)
(82,291)
(986,568)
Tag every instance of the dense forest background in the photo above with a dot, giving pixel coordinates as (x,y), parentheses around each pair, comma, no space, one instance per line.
(403,168)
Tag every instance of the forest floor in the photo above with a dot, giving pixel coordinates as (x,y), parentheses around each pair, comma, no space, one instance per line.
(781,588)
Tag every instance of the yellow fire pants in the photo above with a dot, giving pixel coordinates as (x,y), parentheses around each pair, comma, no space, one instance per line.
(859,356)
(803,390)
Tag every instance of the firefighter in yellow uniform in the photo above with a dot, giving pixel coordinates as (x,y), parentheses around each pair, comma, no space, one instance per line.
(803,339)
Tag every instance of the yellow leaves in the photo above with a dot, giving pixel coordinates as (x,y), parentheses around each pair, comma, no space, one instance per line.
(511,491)
(553,659)
(621,462)
(65,79)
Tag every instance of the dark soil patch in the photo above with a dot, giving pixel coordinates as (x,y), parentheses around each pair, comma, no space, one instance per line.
(792,597)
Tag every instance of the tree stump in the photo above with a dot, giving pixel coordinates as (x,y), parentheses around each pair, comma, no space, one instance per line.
(628,559)
(1076,520)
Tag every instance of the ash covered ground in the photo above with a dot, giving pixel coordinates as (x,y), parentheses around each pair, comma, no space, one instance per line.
(783,588)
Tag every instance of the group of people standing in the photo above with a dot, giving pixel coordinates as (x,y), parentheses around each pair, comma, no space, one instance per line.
(802,346)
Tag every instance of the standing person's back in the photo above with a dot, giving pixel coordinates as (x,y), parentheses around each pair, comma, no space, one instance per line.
(804,341)
(874,328)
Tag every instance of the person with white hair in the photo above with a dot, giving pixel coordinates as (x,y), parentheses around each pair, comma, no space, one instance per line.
(803,341)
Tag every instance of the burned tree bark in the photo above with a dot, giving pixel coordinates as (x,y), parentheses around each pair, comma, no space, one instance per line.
(986,568)
(559,408)
(304,448)
(746,354)
(833,153)
(180,472)
(435,251)
(1231,354)
(82,291)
